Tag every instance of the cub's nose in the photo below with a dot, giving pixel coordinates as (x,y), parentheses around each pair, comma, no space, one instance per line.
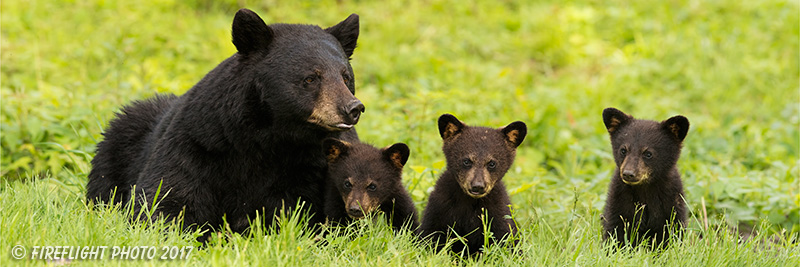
(355,212)
(477,189)
(628,175)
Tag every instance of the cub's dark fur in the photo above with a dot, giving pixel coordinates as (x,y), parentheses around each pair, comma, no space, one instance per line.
(246,138)
(363,179)
(645,197)
(470,191)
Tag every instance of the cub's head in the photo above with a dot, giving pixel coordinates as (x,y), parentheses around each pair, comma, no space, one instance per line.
(479,156)
(297,73)
(365,176)
(644,148)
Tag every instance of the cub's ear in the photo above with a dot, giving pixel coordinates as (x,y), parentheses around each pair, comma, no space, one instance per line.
(676,127)
(250,32)
(334,149)
(515,133)
(396,154)
(615,119)
(449,126)
(347,33)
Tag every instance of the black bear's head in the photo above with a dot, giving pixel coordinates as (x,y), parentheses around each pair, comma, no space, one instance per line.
(479,156)
(644,149)
(298,73)
(365,176)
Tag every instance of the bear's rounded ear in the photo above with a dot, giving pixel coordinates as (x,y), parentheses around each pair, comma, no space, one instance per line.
(250,32)
(676,127)
(449,126)
(615,119)
(396,154)
(515,133)
(334,149)
(347,33)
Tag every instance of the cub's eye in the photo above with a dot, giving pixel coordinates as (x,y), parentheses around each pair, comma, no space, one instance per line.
(372,187)
(492,164)
(309,79)
(348,185)
(647,154)
(467,163)
(623,151)
(345,78)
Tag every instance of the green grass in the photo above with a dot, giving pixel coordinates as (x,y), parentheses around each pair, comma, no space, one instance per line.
(731,67)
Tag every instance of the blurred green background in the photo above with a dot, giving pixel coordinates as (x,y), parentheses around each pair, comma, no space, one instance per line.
(731,67)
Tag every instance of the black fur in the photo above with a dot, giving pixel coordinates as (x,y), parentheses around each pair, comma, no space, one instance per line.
(464,193)
(116,168)
(363,178)
(646,193)
(244,139)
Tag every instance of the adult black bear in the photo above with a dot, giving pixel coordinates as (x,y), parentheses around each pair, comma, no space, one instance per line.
(363,179)
(246,138)
(645,197)
(470,193)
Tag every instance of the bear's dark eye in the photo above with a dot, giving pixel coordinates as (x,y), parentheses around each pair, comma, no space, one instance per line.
(309,79)
(492,164)
(648,154)
(467,163)
(345,78)
(372,187)
(623,151)
(347,184)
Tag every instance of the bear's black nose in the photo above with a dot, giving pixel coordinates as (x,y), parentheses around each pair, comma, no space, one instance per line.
(354,110)
(627,175)
(477,189)
(355,212)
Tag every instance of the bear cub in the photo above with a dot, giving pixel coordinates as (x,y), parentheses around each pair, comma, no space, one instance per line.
(645,196)
(470,191)
(363,179)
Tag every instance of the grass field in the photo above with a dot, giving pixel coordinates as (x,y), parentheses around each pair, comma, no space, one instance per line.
(731,67)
